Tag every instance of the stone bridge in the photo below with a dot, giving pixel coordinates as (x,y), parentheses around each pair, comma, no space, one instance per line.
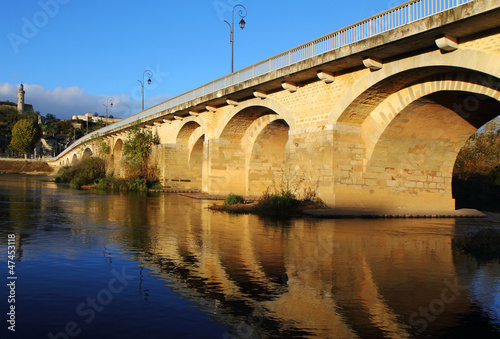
(372,115)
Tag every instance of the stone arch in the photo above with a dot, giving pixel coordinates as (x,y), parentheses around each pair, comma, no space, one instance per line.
(267,103)
(411,139)
(74,159)
(469,83)
(184,167)
(376,86)
(186,131)
(250,150)
(87,153)
(399,161)
(265,145)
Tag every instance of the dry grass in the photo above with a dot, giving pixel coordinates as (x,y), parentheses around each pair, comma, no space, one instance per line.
(15,167)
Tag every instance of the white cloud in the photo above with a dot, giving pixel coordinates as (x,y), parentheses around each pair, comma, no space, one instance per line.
(66,102)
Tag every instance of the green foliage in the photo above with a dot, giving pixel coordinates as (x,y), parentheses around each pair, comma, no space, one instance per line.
(110,183)
(9,116)
(157,186)
(54,126)
(114,184)
(476,175)
(25,135)
(283,203)
(136,150)
(233,199)
(86,172)
(479,159)
(483,245)
(138,185)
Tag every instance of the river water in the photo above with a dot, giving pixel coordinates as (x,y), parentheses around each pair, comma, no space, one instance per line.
(90,264)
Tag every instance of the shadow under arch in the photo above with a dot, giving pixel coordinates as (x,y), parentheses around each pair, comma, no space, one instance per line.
(190,143)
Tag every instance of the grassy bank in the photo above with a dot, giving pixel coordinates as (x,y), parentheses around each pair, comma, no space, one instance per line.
(24,167)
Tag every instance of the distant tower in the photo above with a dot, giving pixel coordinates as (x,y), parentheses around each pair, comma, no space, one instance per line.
(20,99)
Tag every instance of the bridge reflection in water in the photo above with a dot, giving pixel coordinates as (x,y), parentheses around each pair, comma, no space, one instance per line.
(327,278)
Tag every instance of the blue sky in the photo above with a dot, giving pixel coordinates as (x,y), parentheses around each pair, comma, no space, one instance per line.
(73,54)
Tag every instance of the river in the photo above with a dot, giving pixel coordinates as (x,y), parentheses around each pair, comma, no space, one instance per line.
(90,264)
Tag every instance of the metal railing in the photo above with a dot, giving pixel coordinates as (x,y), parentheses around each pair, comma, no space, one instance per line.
(403,14)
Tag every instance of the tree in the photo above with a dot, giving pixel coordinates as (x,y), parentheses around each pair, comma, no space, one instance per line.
(136,150)
(25,135)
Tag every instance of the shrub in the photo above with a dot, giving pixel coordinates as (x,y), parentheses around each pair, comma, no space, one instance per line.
(136,185)
(157,186)
(233,199)
(86,172)
(109,183)
(281,203)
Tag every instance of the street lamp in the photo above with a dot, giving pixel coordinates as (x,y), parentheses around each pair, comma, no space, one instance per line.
(242,23)
(109,101)
(150,75)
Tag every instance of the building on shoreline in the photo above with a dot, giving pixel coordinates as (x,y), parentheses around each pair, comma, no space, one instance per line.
(92,118)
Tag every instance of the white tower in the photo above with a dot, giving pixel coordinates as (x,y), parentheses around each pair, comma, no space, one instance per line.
(20,99)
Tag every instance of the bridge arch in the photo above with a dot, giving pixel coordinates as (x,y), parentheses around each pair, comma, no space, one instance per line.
(376,86)
(87,153)
(250,150)
(190,142)
(413,123)
(267,103)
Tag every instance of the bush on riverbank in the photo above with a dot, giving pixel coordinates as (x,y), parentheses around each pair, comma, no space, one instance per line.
(233,199)
(483,245)
(114,184)
(86,172)
(282,203)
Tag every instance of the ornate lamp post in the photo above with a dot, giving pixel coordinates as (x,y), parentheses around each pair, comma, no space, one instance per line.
(242,23)
(150,75)
(109,101)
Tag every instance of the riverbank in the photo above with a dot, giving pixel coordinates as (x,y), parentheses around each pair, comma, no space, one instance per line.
(311,209)
(24,166)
